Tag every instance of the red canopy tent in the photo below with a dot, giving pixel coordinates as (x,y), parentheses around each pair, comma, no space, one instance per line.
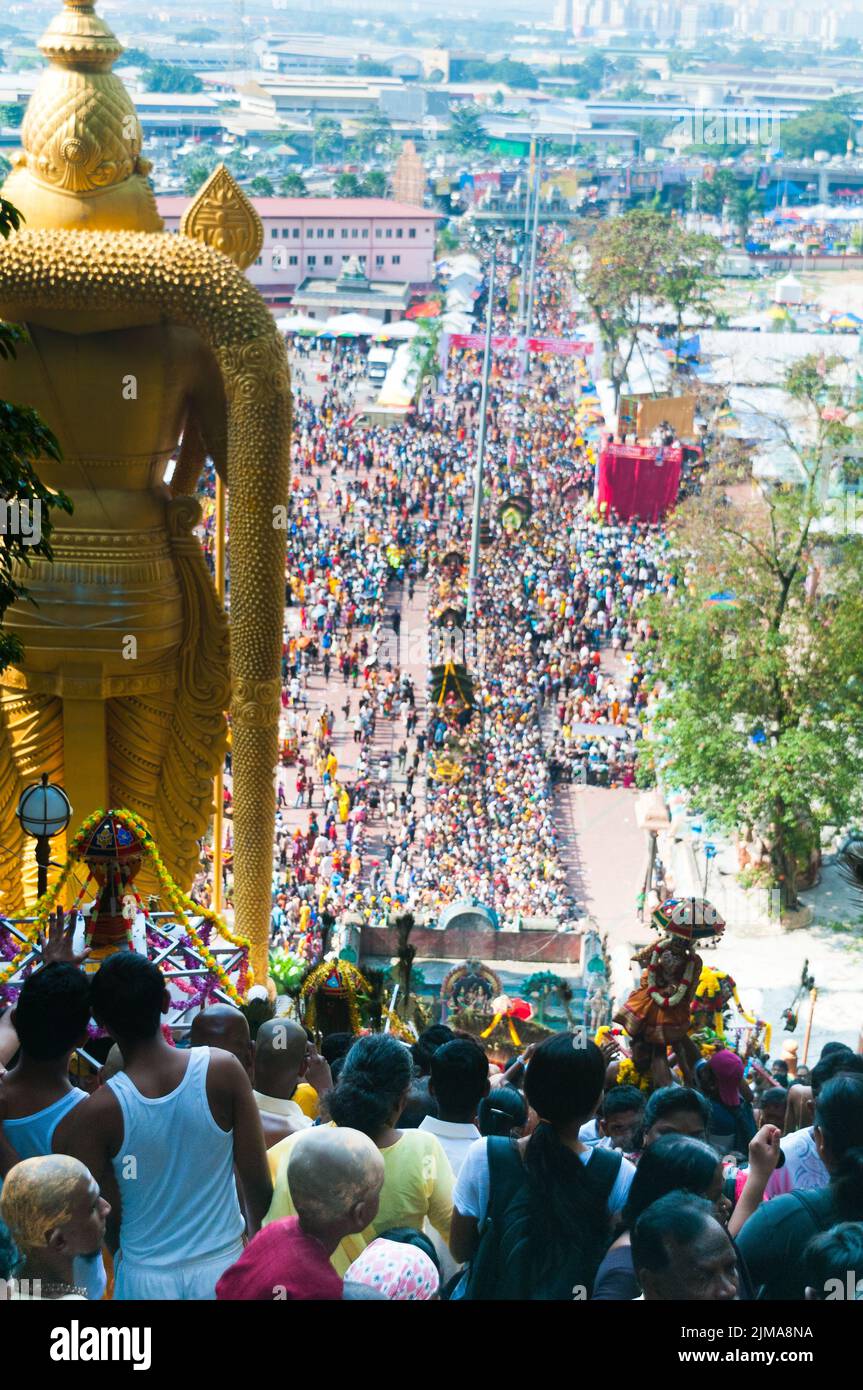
(638,481)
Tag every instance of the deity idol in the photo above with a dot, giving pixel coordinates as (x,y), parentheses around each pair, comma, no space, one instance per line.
(140,341)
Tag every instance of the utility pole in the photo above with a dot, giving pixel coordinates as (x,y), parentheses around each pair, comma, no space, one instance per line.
(528,192)
(532,286)
(473,571)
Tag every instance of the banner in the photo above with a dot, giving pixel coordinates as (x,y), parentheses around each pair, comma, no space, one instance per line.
(560,347)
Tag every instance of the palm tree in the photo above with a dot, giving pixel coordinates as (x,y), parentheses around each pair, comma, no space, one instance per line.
(744,203)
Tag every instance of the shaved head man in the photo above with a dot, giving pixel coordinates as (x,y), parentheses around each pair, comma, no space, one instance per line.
(281,1059)
(224,1026)
(336,1176)
(55,1213)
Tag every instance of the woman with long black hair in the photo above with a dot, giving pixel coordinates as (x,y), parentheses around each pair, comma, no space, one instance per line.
(533,1215)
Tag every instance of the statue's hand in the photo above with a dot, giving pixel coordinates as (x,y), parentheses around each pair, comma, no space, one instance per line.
(57,942)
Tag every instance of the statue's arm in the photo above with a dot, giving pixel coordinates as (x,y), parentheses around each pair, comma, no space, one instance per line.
(205,433)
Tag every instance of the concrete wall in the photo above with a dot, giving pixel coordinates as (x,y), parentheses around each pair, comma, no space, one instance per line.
(540,948)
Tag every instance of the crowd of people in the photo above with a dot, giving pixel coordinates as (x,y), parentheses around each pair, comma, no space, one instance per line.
(234,1168)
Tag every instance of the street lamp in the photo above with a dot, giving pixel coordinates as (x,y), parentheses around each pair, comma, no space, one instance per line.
(44,811)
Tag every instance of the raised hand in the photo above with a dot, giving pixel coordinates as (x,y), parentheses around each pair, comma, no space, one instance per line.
(57,942)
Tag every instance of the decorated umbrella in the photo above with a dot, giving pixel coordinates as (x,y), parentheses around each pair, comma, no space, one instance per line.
(692,919)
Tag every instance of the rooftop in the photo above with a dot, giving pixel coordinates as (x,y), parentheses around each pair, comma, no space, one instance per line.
(316,207)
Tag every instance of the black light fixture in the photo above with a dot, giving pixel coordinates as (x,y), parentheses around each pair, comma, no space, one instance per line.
(44,810)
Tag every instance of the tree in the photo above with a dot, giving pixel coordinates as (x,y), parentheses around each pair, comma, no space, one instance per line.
(27,503)
(760,718)
(622,277)
(168,77)
(12,114)
(712,194)
(196,172)
(261,186)
(466,131)
(199,35)
(136,58)
(293,186)
(327,139)
(745,202)
(372,132)
(827,126)
(347,186)
(374,184)
(689,277)
(425,350)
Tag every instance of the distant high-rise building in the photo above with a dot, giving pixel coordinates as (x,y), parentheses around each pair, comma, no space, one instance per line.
(563,17)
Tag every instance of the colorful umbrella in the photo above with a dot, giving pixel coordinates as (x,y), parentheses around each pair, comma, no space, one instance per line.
(692,919)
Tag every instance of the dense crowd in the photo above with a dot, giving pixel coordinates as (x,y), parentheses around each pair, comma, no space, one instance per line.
(237,1168)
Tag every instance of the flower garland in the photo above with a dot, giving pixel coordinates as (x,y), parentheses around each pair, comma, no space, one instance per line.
(675,996)
(180,902)
(629,1075)
(351,980)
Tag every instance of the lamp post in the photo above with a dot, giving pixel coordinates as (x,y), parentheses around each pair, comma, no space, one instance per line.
(44,811)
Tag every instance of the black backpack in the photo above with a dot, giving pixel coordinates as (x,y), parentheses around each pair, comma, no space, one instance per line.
(503,1266)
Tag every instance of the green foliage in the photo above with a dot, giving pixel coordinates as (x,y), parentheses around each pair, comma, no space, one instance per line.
(424,350)
(328,139)
(762,719)
(293,186)
(374,184)
(639,258)
(168,77)
(825,127)
(24,439)
(261,186)
(373,133)
(347,186)
(508,70)
(288,969)
(466,130)
(135,58)
(195,173)
(199,35)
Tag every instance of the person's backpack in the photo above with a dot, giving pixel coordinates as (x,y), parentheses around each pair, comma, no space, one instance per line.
(503,1266)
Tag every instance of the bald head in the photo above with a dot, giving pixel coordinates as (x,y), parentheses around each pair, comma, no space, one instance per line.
(223,1026)
(335,1178)
(41,1195)
(281,1049)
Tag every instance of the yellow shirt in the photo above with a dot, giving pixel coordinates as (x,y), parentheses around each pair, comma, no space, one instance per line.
(307,1099)
(418,1183)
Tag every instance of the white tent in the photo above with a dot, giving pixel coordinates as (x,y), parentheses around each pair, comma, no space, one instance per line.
(353,325)
(299,323)
(455,322)
(405,329)
(788,290)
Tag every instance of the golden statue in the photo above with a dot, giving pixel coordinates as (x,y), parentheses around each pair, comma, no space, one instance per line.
(139,339)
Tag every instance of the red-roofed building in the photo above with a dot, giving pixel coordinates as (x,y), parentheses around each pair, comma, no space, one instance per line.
(316,236)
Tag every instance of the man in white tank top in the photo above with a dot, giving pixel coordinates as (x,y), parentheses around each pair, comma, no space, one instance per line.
(163,1138)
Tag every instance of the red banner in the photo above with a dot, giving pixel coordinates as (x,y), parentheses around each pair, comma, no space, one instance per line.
(560,347)
(638,481)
